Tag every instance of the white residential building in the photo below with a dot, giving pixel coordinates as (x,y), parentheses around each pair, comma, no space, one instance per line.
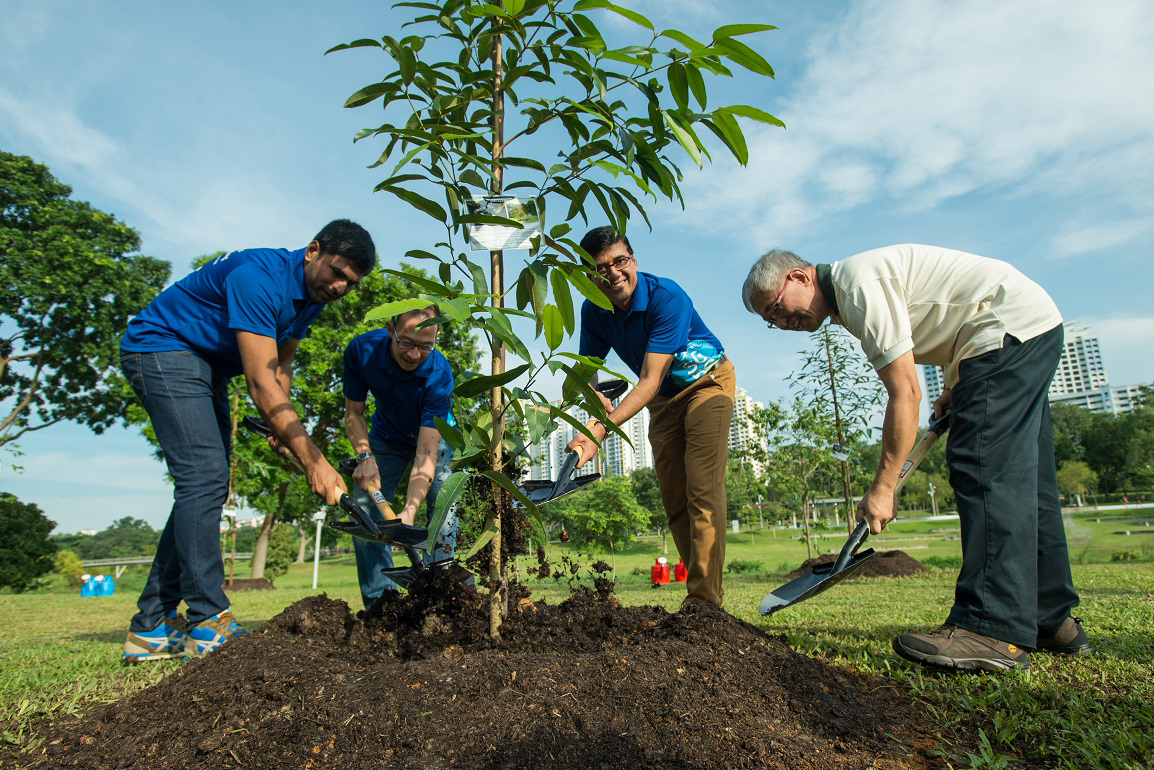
(743,432)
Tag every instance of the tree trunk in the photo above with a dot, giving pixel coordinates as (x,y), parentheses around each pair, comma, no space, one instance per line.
(260,547)
(496,574)
(302,544)
(845,485)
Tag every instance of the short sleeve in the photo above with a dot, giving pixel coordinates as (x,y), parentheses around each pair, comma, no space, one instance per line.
(252,302)
(355,387)
(875,312)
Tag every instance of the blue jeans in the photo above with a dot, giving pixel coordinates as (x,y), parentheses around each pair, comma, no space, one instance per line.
(187,402)
(374,557)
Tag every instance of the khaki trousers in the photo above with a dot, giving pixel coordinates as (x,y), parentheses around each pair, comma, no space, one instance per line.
(689,433)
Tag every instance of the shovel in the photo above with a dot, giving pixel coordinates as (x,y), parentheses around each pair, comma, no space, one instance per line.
(825,576)
(541,491)
(392,532)
(402,576)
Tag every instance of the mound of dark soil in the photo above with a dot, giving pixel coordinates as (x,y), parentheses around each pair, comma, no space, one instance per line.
(260,584)
(881,564)
(417,683)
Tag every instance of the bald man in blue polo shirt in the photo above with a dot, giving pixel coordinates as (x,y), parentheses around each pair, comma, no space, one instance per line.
(242,313)
(411,383)
(687,383)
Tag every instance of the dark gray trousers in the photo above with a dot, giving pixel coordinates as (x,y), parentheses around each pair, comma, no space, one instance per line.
(1015,581)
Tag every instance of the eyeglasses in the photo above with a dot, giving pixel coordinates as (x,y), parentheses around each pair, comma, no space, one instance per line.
(405,344)
(770,315)
(617,264)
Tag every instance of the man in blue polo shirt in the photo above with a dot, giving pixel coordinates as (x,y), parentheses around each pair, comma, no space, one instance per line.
(411,383)
(687,383)
(243,313)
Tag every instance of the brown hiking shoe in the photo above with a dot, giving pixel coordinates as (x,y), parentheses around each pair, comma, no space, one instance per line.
(951,647)
(1070,639)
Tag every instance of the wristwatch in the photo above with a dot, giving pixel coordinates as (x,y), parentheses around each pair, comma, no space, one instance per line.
(362,456)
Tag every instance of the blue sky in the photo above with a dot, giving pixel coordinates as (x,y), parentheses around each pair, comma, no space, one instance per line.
(1021,131)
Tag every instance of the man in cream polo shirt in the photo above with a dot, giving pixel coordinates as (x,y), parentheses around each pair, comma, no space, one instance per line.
(998,336)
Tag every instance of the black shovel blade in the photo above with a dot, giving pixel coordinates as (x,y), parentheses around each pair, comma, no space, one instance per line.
(823,576)
(390,533)
(402,576)
(541,491)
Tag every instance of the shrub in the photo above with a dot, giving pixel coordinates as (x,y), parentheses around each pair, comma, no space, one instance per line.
(738,566)
(68,566)
(282,551)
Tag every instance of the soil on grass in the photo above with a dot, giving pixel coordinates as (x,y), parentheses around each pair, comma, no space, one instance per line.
(259,584)
(881,564)
(416,682)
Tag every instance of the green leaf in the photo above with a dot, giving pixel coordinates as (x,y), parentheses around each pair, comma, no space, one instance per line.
(733,30)
(696,83)
(693,46)
(742,54)
(452,436)
(586,286)
(450,490)
(678,85)
(434,288)
(362,43)
(391,310)
(513,7)
(562,297)
(633,16)
(456,309)
(480,280)
(554,326)
(684,138)
(482,540)
(752,113)
(369,94)
(432,208)
(726,128)
(479,385)
(503,481)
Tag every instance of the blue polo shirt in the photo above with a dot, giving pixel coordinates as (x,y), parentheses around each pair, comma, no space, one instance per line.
(256,290)
(661,319)
(405,401)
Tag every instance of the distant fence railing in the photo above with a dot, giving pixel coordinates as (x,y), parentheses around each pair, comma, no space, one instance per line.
(120,564)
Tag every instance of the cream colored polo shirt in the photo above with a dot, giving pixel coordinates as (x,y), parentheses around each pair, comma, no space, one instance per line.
(944,305)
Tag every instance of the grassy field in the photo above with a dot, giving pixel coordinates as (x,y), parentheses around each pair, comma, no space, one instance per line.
(60,652)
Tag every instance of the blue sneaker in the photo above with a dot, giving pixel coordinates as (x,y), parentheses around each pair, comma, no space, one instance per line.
(161,643)
(212,632)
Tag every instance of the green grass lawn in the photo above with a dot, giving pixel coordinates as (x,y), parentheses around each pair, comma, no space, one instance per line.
(60,652)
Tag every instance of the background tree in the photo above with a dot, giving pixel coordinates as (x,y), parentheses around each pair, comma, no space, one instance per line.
(607,116)
(741,492)
(608,515)
(26,550)
(68,284)
(648,495)
(1076,478)
(838,383)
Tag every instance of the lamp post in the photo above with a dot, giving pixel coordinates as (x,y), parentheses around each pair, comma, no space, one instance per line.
(319,518)
(933,500)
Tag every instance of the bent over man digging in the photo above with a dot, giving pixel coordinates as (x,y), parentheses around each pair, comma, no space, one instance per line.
(242,313)
(687,383)
(999,337)
(411,382)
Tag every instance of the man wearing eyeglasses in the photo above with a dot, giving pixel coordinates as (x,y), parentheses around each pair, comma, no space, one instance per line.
(999,337)
(687,383)
(410,382)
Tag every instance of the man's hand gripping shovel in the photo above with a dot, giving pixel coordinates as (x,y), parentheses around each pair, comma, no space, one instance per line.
(825,576)
(392,532)
(541,491)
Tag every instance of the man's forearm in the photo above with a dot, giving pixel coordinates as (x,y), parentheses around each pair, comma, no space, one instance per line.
(899,431)
(273,403)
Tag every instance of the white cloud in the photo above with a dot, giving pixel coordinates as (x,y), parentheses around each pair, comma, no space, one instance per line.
(1093,237)
(920,101)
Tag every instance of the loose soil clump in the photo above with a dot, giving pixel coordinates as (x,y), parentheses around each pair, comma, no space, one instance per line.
(416,682)
(882,564)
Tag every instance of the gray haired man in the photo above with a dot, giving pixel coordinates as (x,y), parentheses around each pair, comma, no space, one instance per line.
(999,337)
